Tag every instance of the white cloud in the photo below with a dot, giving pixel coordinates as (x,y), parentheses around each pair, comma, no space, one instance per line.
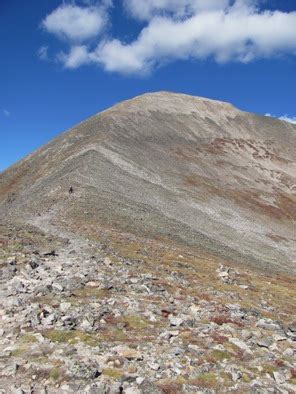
(43,52)
(240,34)
(145,10)
(223,30)
(76,23)
(285,118)
(77,56)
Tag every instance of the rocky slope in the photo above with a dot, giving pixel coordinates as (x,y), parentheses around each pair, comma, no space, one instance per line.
(129,315)
(174,166)
(171,266)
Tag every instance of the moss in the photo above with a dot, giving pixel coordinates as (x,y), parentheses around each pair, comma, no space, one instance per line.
(293,381)
(137,323)
(72,337)
(207,380)
(227,379)
(19,351)
(219,355)
(246,378)
(55,373)
(115,335)
(268,368)
(29,338)
(113,373)
(90,292)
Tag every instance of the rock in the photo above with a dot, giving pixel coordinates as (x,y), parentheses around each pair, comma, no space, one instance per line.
(289,352)
(223,274)
(176,351)
(148,387)
(92,284)
(65,306)
(19,391)
(16,285)
(84,372)
(240,344)
(265,342)
(291,332)
(292,327)
(195,349)
(268,324)
(57,287)
(132,390)
(9,370)
(279,377)
(139,380)
(154,366)
(49,320)
(194,311)
(279,337)
(33,264)
(128,353)
(12,301)
(175,321)
(86,325)
(235,373)
(50,253)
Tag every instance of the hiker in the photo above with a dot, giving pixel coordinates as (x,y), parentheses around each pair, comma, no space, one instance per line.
(71,191)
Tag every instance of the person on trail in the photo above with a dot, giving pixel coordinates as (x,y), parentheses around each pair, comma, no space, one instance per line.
(71,190)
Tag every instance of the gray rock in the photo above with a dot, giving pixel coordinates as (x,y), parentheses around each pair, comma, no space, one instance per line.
(176,321)
(265,342)
(84,372)
(279,377)
(148,387)
(268,324)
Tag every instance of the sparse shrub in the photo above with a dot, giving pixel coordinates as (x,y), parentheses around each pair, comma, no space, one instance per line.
(55,373)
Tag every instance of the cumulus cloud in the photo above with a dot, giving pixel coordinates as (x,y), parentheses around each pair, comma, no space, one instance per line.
(76,23)
(285,118)
(222,30)
(240,34)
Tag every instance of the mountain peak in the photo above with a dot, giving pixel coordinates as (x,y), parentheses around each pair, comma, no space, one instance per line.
(175,103)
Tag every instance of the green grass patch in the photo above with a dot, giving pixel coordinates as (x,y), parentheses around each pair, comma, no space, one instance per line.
(207,380)
(113,373)
(219,355)
(55,373)
(137,322)
(71,337)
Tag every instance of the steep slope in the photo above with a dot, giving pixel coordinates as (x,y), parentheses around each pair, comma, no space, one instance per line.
(189,169)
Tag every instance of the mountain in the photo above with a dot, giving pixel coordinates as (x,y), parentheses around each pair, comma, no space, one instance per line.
(168,166)
(151,250)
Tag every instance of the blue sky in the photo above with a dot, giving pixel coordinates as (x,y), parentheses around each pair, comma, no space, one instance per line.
(62,61)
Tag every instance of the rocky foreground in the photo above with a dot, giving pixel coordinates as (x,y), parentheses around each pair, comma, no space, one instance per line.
(117,314)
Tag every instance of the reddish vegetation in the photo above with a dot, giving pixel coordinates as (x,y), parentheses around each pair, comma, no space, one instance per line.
(279,363)
(219,338)
(224,319)
(171,388)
